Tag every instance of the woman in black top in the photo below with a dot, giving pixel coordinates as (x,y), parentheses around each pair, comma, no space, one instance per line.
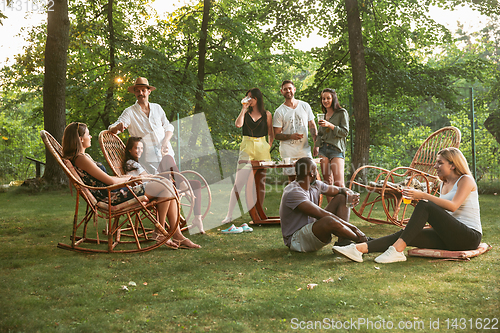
(256,123)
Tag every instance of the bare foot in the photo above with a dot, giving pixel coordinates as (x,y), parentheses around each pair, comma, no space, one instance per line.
(198,223)
(227,219)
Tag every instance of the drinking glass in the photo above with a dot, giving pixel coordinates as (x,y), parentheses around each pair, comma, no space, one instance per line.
(406,200)
(349,198)
(246,100)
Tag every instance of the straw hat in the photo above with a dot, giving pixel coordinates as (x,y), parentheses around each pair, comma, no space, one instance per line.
(140,82)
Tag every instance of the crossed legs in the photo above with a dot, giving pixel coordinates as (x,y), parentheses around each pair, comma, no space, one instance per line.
(168,210)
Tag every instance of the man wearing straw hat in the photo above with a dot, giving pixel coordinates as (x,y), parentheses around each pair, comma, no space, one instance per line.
(146,120)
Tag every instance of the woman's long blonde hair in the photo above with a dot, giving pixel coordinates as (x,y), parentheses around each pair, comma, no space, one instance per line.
(71,143)
(454,156)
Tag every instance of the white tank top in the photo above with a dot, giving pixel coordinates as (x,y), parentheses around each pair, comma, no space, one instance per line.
(468,212)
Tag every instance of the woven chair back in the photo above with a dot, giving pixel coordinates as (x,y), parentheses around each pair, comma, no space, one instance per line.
(113,150)
(425,158)
(56,150)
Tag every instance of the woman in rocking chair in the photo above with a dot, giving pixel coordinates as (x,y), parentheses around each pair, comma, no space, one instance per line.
(76,139)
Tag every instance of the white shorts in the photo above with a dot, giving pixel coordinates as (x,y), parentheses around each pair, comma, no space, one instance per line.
(304,240)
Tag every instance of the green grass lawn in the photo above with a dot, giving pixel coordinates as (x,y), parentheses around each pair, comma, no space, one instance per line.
(243,283)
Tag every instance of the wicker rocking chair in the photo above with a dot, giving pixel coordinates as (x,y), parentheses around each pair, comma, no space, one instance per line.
(113,149)
(131,234)
(383,204)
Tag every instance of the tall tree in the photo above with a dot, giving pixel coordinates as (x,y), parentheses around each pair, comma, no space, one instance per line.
(360,90)
(54,84)
(110,102)
(202,52)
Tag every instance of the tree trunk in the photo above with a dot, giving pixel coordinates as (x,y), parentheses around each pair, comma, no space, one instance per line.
(202,51)
(492,124)
(54,84)
(109,103)
(360,91)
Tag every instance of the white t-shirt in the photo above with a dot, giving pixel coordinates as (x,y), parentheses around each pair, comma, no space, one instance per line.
(152,129)
(293,195)
(294,121)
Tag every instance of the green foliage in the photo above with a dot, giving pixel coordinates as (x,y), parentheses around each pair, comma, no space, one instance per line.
(416,68)
(19,137)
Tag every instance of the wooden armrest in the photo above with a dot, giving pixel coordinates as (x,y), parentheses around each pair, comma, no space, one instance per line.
(382,171)
(412,173)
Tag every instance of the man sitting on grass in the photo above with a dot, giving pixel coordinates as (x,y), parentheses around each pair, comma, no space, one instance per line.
(307,227)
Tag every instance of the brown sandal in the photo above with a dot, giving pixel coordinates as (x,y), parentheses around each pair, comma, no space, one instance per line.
(169,243)
(181,245)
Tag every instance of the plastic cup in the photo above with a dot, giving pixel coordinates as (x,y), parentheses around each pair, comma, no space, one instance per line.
(406,200)
(287,160)
(349,198)
(246,100)
(321,116)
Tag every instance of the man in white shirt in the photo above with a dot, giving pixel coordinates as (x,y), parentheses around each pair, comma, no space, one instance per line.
(291,122)
(146,120)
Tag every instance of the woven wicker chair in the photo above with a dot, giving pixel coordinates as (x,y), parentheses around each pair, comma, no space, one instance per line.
(384,191)
(113,149)
(131,234)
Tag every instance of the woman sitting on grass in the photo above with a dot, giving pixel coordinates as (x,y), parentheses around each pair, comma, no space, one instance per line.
(131,166)
(76,139)
(453,216)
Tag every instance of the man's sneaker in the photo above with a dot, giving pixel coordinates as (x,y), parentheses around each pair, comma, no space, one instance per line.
(246,228)
(390,255)
(232,230)
(349,251)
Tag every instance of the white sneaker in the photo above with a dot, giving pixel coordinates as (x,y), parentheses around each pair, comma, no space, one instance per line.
(232,230)
(390,255)
(350,251)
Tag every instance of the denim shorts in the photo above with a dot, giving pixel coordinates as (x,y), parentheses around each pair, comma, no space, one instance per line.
(330,151)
